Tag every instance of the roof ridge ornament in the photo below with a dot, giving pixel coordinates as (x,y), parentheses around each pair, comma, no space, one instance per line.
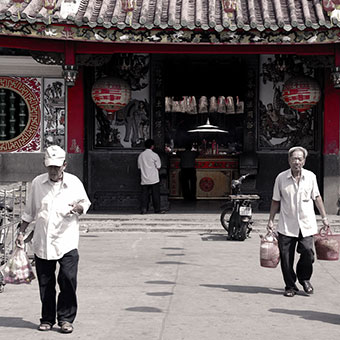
(229,6)
(49,5)
(128,6)
(18,4)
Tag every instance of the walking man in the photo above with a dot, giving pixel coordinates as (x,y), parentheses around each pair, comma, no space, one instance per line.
(294,192)
(149,164)
(55,201)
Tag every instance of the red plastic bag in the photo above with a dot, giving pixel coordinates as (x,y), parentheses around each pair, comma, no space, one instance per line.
(269,251)
(18,269)
(327,245)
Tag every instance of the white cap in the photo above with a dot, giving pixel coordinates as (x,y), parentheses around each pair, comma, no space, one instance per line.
(298,148)
(54,156)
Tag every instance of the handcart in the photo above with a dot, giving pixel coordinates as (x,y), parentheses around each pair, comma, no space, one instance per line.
(12,204)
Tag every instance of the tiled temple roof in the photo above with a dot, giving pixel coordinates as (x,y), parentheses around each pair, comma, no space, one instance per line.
(255,15)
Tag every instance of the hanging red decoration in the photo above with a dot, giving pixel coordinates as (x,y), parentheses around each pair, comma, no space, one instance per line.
(301,93)
(111,94)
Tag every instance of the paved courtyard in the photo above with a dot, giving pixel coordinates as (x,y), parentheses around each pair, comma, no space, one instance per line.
(174,286)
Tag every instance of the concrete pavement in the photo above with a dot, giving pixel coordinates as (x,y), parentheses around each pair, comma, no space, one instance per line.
(180,286)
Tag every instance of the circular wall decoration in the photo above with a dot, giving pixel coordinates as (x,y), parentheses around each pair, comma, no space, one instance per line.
(19,100)
(206,184)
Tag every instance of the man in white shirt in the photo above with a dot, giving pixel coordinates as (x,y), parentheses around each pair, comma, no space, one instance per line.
(55,201)
(294,194)
(149,164)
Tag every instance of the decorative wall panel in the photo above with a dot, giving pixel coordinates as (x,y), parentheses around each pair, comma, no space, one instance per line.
(54,112)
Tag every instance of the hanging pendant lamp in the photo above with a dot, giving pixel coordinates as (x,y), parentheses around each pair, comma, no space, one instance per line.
(208,128)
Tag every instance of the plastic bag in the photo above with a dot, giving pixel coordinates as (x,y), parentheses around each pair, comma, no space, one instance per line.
(269,251)
(18,269)
(327,245)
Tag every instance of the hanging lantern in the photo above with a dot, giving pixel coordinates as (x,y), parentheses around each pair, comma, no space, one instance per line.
(229,6)
(111,94)
(301,93)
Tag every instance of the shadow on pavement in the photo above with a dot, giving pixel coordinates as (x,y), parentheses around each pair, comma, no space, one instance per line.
(214,237)
(310,315)
(15,322)
(245,289)
(144,309)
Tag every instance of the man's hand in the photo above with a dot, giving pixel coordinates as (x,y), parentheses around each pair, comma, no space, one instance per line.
(20,240)
(77,209)
(325,222)
(21,233)
(270,226)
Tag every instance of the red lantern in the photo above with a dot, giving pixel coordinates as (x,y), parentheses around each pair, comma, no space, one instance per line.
(111,94)
(301,93)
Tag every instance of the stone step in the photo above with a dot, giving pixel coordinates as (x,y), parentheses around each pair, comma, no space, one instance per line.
(173,222)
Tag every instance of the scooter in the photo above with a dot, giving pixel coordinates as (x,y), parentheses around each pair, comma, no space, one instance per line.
(239,224)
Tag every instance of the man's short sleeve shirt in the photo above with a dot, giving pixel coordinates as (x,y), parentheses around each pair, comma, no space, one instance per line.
(296,203)
(56,230)
(149,163)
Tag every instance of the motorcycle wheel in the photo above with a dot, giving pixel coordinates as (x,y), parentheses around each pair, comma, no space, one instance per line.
(224,218)
(242,233)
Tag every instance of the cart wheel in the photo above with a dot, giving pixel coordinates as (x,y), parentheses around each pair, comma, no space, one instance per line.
(225,219)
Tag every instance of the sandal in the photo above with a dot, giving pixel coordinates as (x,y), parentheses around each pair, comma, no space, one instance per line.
(66,327)
(45,326)
(289,292)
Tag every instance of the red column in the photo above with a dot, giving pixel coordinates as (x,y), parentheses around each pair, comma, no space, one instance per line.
(75,116)
(331,112)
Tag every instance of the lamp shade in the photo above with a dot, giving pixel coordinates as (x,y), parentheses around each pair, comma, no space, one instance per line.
(301,93)
(111,94)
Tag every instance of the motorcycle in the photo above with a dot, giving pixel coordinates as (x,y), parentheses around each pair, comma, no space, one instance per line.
(239,224)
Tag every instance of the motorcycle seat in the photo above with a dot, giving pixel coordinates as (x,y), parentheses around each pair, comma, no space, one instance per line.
(244,197)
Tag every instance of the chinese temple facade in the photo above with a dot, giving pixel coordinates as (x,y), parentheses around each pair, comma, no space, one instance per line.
(99,77)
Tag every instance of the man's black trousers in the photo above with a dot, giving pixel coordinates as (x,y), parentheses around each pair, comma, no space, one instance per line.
(188,183)
(154,190)
(65,307)
(304,266)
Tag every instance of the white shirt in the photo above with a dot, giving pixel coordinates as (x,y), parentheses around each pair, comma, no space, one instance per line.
(149,163)
(296,203)
(56,230)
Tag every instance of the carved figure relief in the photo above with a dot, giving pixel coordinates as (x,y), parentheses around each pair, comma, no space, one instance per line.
(129,128)
(281,127)
(54,112)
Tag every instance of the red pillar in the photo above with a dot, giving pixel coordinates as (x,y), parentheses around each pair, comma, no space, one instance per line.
(331,113)
(75,116)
